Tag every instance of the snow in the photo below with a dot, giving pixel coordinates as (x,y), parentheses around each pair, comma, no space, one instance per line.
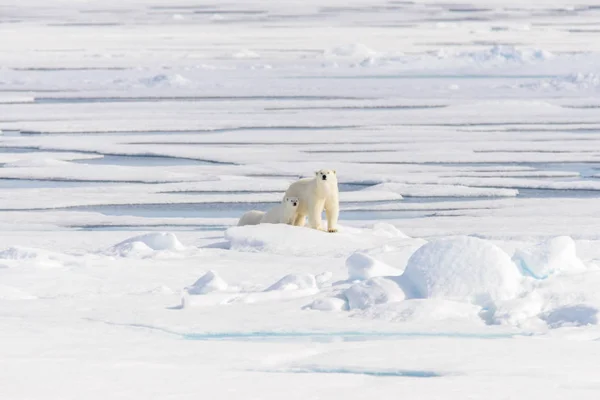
(329,304)
(388,230)
(437,190)
(134,134)
(294,282)
(372,292)
(11,293)
(362,266)
(147,245)
(504,54)
(19,256)
(462,268)
(207,283)
(552,256)
(553,302)
(288,240)
(429,312)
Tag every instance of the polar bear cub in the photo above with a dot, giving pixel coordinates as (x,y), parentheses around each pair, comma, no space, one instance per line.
(251,218)
(282,213)
(315,195)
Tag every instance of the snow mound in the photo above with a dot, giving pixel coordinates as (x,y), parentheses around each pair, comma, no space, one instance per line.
(12,293)
(294,282)
(147,244)
(164,80)
(462,268)
(544,259)
(305,242)
(329,304)
(207,283)
(372,292)
(362,266)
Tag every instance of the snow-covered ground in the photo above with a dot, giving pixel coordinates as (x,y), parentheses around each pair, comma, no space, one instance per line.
(466,139)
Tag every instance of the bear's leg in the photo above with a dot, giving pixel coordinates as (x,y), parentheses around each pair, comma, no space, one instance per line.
(299,220)
(332,211)
(314,215)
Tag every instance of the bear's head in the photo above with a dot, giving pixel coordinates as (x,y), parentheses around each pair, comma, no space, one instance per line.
(291,202)
(326,175)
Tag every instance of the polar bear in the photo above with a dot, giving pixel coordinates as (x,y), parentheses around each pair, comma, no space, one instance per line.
(315,194)
(282,213)
(251,218)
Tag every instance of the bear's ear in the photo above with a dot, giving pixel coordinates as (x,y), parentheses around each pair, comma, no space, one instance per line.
(316,172)
(334,172)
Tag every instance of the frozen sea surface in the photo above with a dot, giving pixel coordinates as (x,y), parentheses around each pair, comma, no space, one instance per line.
(465,137)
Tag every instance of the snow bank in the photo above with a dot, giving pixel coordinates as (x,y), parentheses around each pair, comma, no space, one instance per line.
(305,242)
(547,258)
(462,268)
(207,283)
(362,266)
(372,292)
(145,245)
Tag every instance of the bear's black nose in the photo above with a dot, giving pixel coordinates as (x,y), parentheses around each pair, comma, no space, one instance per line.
(295,204)
(324,177)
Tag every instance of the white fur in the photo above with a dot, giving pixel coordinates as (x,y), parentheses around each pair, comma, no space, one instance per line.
(282,213)
(316,195)
(251,218)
